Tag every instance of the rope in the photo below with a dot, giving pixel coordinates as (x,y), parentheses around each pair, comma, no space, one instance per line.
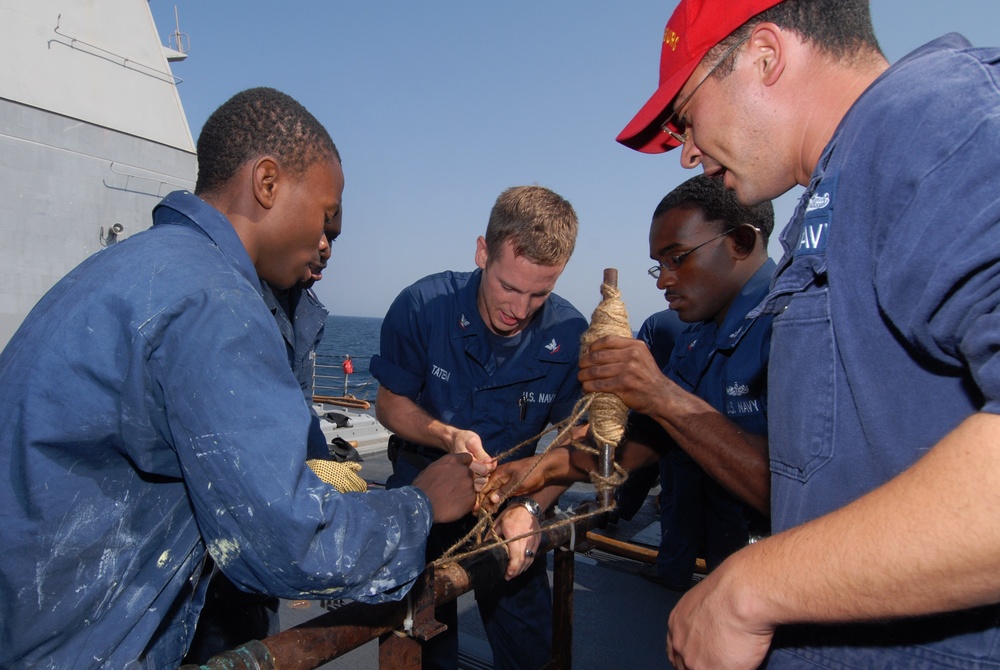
(607,412)
(607,417)
(498,542)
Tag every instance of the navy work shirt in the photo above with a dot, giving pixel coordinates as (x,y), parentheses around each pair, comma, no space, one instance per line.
(659,331)
(435,351)
(726,366)
(302,334)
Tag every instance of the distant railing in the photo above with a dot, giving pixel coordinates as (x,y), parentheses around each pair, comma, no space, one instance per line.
(124,61)
(329,378)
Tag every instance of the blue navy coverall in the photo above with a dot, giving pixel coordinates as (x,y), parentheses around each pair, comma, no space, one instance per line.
(148,414)
(887,328)
(435,351)
(302,334)
(232,617)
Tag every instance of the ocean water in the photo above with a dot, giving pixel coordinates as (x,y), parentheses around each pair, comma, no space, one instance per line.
(357,336)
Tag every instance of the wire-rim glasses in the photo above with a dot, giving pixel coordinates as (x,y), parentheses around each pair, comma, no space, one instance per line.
(684,135)
(673,262)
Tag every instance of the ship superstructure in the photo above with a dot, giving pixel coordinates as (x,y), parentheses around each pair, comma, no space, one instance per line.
(92,135)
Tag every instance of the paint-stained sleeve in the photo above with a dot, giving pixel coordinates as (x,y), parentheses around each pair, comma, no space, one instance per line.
(239,425)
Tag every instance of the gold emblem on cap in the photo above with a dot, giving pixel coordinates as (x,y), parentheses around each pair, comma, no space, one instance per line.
(671,38)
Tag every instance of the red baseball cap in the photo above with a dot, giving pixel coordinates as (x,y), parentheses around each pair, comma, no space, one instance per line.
(693,29)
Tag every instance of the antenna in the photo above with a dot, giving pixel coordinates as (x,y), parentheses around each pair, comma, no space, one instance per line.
(178,43)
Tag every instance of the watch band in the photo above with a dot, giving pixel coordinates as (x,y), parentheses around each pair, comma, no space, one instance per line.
(527,503)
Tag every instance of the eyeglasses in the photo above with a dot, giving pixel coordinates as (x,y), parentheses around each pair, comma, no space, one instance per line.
(681,135)
(673,262)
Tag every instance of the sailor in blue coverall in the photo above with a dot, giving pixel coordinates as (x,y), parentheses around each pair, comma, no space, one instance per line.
(885,367)
(897,298)
(301,318)
(721,358)
(178,429)
(493,352)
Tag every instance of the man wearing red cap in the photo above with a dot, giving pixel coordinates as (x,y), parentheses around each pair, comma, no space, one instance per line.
(884,377)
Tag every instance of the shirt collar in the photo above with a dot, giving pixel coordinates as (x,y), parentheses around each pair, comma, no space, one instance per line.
(738,318)
(186,209)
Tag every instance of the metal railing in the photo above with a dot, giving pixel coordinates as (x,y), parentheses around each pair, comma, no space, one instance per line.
(329,378)
(401,626)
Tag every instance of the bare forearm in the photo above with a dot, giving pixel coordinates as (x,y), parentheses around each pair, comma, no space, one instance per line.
(568,464)
(405,418)
(925,542)
(633,454)
(548,496)
(735,459)
(738,461)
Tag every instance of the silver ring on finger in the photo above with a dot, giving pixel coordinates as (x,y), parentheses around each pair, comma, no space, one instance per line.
(529,553)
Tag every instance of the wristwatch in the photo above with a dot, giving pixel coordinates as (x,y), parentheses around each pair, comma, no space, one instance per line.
(527,503)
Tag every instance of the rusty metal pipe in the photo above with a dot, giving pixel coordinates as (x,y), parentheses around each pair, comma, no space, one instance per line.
(324,638)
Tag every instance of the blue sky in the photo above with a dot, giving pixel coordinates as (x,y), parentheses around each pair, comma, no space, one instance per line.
(438,106)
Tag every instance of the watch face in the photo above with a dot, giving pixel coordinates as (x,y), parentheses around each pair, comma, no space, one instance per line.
(531,505)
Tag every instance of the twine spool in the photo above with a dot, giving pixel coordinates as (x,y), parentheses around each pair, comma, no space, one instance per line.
(608,413)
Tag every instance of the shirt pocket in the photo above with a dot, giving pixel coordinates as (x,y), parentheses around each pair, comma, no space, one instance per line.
(802,387)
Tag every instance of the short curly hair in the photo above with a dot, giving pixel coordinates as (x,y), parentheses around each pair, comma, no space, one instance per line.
(718,203)
(259,122)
